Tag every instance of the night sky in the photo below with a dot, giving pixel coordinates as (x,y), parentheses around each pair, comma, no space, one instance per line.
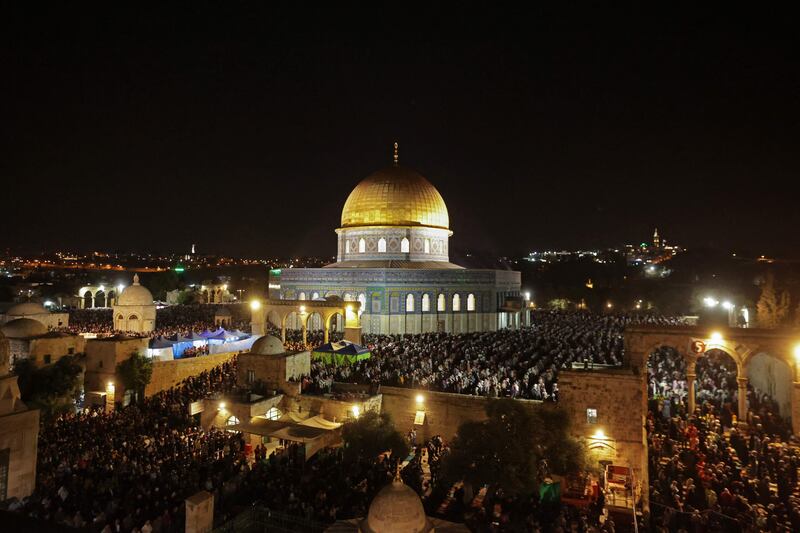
(244,130)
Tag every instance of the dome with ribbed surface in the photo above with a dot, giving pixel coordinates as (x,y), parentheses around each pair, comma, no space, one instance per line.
(395,196)
(136,294)
(27,309)
(23,328)
(396,509)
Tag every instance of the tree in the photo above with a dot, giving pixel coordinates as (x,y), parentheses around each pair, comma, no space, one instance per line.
(506,449)
(135,373)
(782,312)
(767,306)
(372,434)
(51,388)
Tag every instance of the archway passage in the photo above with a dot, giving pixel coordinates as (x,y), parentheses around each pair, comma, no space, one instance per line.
(88,300)
(716,388)
(100,299)
(769,385)
(336,327)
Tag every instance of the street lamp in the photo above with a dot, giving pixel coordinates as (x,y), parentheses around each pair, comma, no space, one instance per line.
(710,302)
(255,305)
(716,336)
(727,305)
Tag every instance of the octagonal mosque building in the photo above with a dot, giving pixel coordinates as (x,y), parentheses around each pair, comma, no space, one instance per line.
(393,258)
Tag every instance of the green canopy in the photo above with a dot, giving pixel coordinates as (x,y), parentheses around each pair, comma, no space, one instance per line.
(339,353)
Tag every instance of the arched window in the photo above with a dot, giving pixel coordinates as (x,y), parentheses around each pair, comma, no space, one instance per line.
(347,247)
(382,245)
(362,246)
(426,303)
(440,303)
(456,302)
(273,413)
(362,299)
(315,296)
(348,297)
(404,246)
(470,302)
(133,317)
(232,421)
(427,246)
(409,303)
(302,296)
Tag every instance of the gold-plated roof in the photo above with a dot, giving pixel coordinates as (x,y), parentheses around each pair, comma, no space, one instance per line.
(395,196)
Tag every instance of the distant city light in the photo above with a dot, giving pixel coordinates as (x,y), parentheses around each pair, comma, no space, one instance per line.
(48,303)
(420,398)
(727,305)
(356,411)
(710,302)
(797,353)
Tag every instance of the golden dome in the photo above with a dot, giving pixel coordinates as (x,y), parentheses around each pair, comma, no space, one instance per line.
(395,196)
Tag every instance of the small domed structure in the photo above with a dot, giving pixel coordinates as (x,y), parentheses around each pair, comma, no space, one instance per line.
(27,309)
(396,509)
(23,328)
(136,294)
(268,345)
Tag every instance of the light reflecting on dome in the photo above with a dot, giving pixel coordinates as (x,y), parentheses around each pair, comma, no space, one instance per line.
(395,196)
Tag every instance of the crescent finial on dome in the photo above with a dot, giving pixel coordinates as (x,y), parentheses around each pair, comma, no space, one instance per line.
(136,279)
(396,156)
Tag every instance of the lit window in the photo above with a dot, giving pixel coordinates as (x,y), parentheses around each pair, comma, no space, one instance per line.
(410,303)
(426,303)
(382,245)
(427,246)
(362,299)
(273,413)
(315,296)
(362,246)
(347,247)
(591,416)
(302,296)
(456,302)
(404,246)
(232,421)
(440,303)
(251,376)
(471,302)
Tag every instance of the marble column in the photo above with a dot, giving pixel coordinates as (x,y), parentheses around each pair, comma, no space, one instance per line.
(742,381)
(691,378)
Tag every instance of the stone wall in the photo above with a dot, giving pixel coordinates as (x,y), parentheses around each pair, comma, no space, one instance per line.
(167,374)
(444,412)
(616,432)
(19,433)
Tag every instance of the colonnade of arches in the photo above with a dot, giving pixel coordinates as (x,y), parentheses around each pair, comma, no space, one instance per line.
(94,297)
(722,372)
(413,301)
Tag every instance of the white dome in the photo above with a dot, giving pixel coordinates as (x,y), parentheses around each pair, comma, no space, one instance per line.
(268,345)
(135,294)
(396,509)
(27,309)
(23,328)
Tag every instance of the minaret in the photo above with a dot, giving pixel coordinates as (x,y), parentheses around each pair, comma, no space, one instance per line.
(656,239)
(396,156)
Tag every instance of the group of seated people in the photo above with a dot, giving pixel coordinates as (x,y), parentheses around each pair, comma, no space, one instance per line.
(172,320)
(521,363)
(708,470)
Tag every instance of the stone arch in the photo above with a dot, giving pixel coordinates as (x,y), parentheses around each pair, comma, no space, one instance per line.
(88,299)
(100,298)
(348,297)
(315,321)
(292,320)
(274,319)
(132,324)
(335,322)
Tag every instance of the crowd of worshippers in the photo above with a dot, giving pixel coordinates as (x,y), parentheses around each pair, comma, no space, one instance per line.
(715,384)
(517,363)
(170,320)
(706,476)
(131,469)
